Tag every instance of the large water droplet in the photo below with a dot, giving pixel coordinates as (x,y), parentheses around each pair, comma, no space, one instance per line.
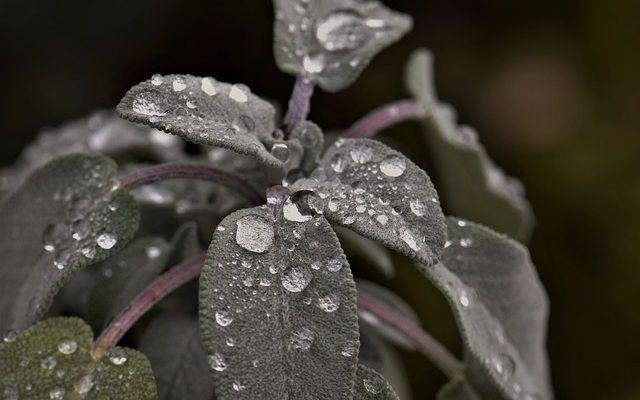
(302,205)
(254,234)
(407,236)
(150,103)
(67,346)
(295,279)
(393,166)
(302,339)
(107,240)
(281,152)
(341,30)
(466,242)
(223,318)
(217,363)
(156,80)
(179,84)
(337,162)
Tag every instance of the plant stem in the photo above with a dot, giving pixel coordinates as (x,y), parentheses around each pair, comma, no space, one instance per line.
(299,103)
(161,287)
(427,344)
(161,172)
(383,117)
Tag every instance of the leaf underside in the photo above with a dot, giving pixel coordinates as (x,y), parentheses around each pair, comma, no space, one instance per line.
(282,292)
(332,41)
(66,216)
(52,360)
(470,184)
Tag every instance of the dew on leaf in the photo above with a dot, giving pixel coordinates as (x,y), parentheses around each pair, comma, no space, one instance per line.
(418,207)
(156,80)
(179,84)
(302,339)
(150,103)
(254,234)
(56,394)
(117,356)
(341,30)
(295,279)
(504,365)
(223,318)
(217,363)
(238,94)
(153,251)
(244,124)
(466,242)
(393,166)
(207,85)
(48,362)
(372,384)
(302,205)
(329,303)
(107,240)
(334,265)
(67,346)
(313,64)
(361,154)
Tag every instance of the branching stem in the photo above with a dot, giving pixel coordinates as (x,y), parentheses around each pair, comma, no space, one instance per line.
(427,344)
(162,172)
(383,117)
(161,287)
(299,103)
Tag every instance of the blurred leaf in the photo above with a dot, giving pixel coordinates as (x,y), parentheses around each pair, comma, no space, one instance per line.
(501,309)
(370,385)
(204,111)
(66,216)
(382,195)
(470,184)
(185,244)
(284,293)
(52,360)
(172,344)
(372,253)
(332,41)
(124,276)
(459,389)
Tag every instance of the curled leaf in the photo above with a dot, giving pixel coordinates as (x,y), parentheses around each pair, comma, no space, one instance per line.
(332,41)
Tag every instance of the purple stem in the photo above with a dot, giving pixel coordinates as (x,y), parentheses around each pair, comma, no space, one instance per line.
(427,344)
(161,287)
(383,117)
(298,103)
(162,172)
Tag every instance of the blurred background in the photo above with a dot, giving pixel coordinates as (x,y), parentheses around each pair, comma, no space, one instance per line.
(553,88)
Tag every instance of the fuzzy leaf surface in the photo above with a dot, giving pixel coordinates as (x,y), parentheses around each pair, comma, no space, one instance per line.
(332,41)
(174,348)
(470,183)
(52,360)
(204,111)
(370,385)
(501,309)
(382,195)
(284,293)
(66,216)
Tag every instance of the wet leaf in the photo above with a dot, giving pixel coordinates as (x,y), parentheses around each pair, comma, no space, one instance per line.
(283,294)
(204,111)
(52,360)
(310,136)
(370,385)
(372,253)
(332,41)
(66,216)
(501,309)
(380,194)
(470,184)
(172,344)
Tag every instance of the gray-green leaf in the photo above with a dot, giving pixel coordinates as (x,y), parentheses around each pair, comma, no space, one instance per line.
(470,184)
(311,138)
(67,215)
(372,253)
(204,111)
(332,41)
(282,294)
(380,194)
(501,309)
(52,360)
(370,385)
(172,344)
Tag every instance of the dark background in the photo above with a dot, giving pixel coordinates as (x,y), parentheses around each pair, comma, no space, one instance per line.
(552,86)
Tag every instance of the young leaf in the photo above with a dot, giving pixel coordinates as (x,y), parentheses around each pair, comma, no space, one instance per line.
(370,385)
(332,41)
(380,194)
(471,185)
(67,215)
(52,360)
(501,309)
(172,344)
(204,111)
(282,292)
(372,253)
(124,276)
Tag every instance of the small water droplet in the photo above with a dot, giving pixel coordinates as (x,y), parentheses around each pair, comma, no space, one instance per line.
(349,349)
(217,363)
(313,64)
(179,84)
(238,94)
(372,384)
(10,336)
(466,242)
(67,346)
(207,85)
(302,205)
(418,207)
(153,251)
(407,236)
(117,356)
(393,166)
(361,155)
(334,264)
(295,279)
(48,362)
(281,152)
(223,318)
(254,234)
(504,365)
(329,303)
(302,339)
(107,240)
(462,223)
(244,124)
(230,342)
(341,30)
(337,163)
(56,394)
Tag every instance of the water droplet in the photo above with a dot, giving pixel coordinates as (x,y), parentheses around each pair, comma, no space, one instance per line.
(281,152)
(372,384)
(85,385)
(375,23)
(334,265)
(313,64)
(361,155)
(462,223)
(447,244)
(295,279)
(56,394)
(341,30)
(10,336)
(48,362)
(237,386)
(382,219)
(302,339)
(504,365)
(407,236)
(349,349)
(223,318)
(179,84)
(254,234)
(117,356)
(207,85)
(418,207)
(337,162)
(107,240)
(67,347)
(217,363)
(53,235)
(302,205)
(466,242)
(244,124)
(153,251)
(464,299)
(157,80)
(230,342)
(238,94)
(329,303)
(393,166)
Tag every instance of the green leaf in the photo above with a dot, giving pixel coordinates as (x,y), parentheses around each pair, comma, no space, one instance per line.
(332,41)
(204,111)
(470,184)
(370,385)
(501,309)
(283,292)
(172,344)
(52,360)
(124,276)
(66,216)
(380,194)
(372,253)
